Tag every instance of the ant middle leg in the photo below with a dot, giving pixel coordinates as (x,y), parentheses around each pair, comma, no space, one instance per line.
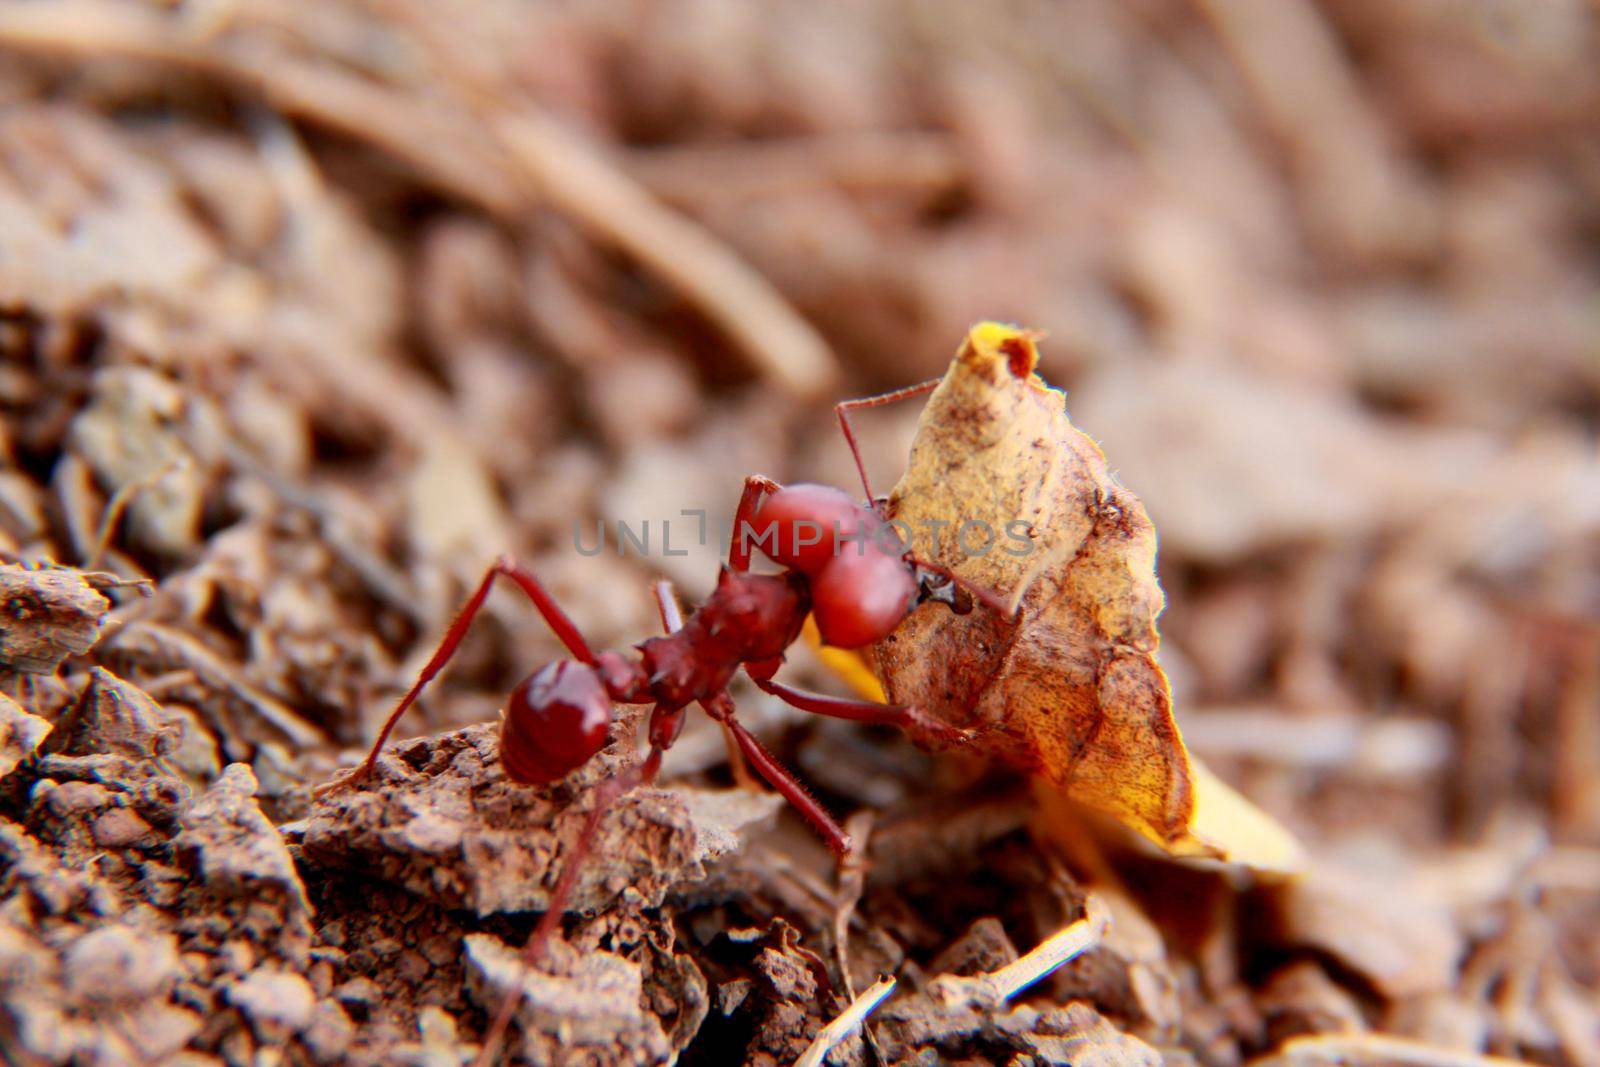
(605,794)
(504,567)
(747,750)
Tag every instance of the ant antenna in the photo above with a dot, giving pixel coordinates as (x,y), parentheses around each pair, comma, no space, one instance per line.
(845,407)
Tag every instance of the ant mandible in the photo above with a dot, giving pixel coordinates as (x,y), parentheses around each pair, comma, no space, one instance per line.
(843,563)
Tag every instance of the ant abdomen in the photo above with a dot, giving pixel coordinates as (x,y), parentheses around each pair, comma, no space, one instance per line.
(554,722)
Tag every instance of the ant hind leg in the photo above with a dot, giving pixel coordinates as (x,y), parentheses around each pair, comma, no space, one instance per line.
(605,794)
(504,567)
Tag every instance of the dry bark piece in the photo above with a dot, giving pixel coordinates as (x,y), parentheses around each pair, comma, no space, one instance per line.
(116,717)
(960,1006)
(848,1022)
(22,506)
(1264,464)
(984,947)
(20,734)
(1402,943)
(784,998)
(1075,1036)
(1302,999)
(49,613)
(446,823)
(595,1004)
(235,851)
(1373,1050)
(1130,973)
(127,436)
(153,646)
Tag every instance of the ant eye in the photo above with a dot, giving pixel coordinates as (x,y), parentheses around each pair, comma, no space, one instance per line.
(555,721)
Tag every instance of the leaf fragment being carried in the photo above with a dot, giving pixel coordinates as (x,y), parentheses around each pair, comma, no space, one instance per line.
(1003,490)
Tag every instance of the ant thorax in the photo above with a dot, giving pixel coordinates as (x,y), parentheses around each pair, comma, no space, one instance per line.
(748,618)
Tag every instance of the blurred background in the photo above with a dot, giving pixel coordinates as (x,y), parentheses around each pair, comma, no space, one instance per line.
(350,297)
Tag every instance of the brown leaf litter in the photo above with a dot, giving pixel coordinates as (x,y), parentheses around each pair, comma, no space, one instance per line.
(305,313)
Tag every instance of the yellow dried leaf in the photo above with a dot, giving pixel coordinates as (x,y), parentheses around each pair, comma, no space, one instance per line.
(1228,827)
(1005,491)
(846,663)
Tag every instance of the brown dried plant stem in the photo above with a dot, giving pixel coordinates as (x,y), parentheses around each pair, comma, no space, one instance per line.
(983,990)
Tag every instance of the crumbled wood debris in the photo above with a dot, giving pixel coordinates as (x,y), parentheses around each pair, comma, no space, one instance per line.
(50,613)
(301,328)
(442,819)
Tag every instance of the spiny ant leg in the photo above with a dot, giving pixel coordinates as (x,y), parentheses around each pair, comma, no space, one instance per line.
(845,407)
(554,617)
(756,486)
(504,567)
(904,716)
(832,834)
(667,605)
(605,794)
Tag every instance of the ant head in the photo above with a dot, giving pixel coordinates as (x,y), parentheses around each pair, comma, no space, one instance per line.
(554,722)
(798,526)
(859,599)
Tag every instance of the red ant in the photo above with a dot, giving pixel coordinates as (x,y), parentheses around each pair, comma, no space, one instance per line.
(843,563)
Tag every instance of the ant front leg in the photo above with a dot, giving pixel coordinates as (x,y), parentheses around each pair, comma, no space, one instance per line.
(504,567)
(720,707)
(922,727)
